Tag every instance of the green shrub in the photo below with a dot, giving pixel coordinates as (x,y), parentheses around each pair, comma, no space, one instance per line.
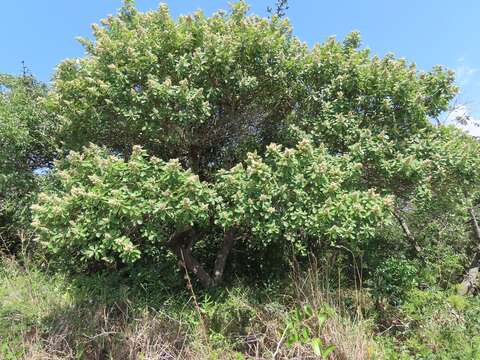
(394,278)
(436,325)
(109,210)
(27,144)
(112,211)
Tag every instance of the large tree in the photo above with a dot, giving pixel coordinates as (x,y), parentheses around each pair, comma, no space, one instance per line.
(354,144)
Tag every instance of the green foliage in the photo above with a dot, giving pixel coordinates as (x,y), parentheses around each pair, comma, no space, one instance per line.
(27,143)
(346,91)
(25,130)
(202,89)
(101,207)
(434,178)
(208,90)
(394,277)
(298,329)
(300,194)
(437,325)
(227,314)
(104,208)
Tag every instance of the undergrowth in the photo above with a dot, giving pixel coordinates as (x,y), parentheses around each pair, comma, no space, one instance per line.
(105,316)
(110,317)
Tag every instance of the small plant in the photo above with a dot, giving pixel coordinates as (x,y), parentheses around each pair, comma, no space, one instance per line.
(393,278)
(302,324)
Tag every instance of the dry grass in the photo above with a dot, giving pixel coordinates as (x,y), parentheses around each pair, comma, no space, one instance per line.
(51,323)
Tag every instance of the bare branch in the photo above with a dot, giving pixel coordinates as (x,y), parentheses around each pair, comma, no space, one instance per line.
(406,230)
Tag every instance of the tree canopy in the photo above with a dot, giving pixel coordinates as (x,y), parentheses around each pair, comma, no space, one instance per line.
(228,131)
(207,90)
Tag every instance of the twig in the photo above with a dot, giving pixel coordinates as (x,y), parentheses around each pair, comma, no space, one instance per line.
(279,344)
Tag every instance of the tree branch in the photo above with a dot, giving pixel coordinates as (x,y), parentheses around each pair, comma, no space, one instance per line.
(223,252)
(406,230)
(181,244)
(476,228)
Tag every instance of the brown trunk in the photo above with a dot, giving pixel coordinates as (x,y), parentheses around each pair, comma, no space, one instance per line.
(476,228)
(411,239)
(470,280)
(220,261)
(181,244)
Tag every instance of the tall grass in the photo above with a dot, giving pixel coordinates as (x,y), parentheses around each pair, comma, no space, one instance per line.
(45,317)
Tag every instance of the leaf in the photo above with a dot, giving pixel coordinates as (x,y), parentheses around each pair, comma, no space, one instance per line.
(306,334)
(316,346)
(290,341)
(321,319)
(328,350)
(307,309)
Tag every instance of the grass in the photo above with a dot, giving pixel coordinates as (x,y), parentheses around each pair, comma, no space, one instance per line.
(104,317)
(114,316)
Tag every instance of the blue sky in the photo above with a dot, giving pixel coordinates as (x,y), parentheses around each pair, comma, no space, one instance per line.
(427,32)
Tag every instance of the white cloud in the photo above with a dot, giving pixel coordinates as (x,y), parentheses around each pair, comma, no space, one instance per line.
(464,73)
(462,112)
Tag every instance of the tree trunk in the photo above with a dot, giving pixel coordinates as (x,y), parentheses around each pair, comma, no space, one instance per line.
(476,227)
(220,261)
(181,243)
(406,230)
(470,279)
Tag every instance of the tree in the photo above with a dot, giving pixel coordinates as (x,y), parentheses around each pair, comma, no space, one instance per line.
(27,143)
(209,90)
(275,143)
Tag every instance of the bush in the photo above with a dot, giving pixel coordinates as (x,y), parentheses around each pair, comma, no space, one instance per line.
(394,278)
(105,209)
(433,324)
(27,138)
